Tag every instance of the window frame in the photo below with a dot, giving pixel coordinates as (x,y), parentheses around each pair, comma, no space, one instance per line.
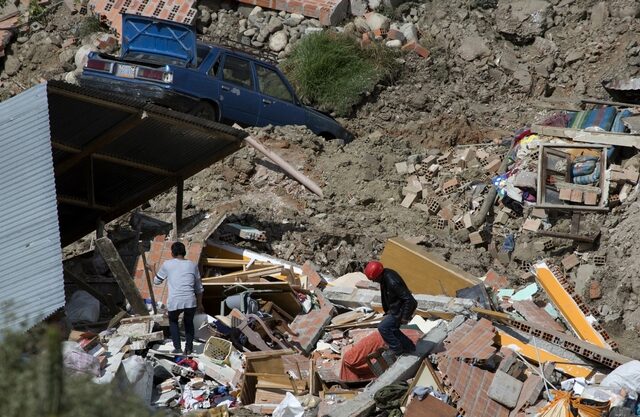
(293,100)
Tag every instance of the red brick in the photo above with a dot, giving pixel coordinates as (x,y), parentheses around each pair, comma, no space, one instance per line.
(495,281)
(379,33)
(309,9)
(595,291)
(395,35)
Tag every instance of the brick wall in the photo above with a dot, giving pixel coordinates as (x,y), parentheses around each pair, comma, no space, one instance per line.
(181,11)
(329,12)
(160,251)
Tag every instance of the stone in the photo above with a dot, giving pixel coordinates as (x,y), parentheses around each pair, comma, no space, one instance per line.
(205,17)
(394,44)
(521,21)
(81,55)
(410,32)
(12,65)
(358,7)
(275,24)
(473,47)
(374,4)
(377,21)
(599,15)
(505,389)
(361,25)
(583,276)
(71,78)
(67,55)
(278,41)
(574,56)
(294,20)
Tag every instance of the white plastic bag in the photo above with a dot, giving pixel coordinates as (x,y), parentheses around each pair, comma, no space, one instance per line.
(289,407)
(83,307)
(625,376)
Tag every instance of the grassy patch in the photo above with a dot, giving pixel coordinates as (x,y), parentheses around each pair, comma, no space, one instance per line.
(332,72)
(89,25)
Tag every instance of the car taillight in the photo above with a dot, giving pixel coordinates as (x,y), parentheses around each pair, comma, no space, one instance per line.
(155,75)
(99,65)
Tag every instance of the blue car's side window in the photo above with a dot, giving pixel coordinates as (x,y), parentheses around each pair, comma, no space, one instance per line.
(270,83)
(237,71)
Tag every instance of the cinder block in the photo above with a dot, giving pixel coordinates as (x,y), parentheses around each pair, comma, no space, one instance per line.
(599,260)
(476,238)
(590,198)
(576,196)
(570,262)
(505,389)
(468,222)
(408,200)
(539,213)
(565,194)
(450,186)
(532,225)
(402,168)
(493,165)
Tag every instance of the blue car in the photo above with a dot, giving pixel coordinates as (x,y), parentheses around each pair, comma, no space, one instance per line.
(162,62)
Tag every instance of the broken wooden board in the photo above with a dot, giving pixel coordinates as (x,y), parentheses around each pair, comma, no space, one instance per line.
(579,135)
(423,272)
(127,285)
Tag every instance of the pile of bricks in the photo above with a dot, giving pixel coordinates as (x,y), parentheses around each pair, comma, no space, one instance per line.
(180,11)
(449,187)
(160,251)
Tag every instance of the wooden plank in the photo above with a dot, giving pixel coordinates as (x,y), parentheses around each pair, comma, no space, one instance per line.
(423,272)
(579,135)
(266,396)
(245,275)
(121,274)
(232,263)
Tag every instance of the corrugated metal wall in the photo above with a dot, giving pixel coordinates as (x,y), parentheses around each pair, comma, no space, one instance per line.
(31,277)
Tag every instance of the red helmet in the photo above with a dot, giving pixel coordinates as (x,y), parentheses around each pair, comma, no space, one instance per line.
(373,270)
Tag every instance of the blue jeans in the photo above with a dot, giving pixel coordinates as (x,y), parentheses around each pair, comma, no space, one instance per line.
(189,329)
(398,342)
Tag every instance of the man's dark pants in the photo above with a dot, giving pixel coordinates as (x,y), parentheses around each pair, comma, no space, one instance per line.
(398,342)
(189,330)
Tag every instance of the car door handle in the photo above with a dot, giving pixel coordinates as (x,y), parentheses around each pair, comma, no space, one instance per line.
(265,101)
(225,88)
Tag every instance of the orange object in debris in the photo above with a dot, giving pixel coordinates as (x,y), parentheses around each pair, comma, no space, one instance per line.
(568,307)
(354,361)
(562,403)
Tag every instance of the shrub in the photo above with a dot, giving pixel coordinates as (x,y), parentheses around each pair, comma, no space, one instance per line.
(331,71)
(33,383)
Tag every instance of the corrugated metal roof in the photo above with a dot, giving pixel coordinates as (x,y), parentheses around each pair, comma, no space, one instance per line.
(113,153)
(31,277)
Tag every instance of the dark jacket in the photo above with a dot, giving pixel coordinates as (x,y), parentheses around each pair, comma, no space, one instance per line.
(397,300)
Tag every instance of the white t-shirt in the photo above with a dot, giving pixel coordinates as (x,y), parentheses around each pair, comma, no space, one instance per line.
(183,279)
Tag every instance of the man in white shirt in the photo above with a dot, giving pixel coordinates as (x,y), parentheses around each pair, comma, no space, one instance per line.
(185,294)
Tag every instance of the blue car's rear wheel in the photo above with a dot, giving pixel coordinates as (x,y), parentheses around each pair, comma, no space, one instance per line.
(207,111)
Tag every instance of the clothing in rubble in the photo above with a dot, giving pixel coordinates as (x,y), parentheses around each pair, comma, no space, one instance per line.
(185,294)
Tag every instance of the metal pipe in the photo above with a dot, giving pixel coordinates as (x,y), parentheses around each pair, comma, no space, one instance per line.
(286,167)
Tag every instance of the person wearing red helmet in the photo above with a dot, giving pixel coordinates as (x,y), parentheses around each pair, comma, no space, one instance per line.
(398,304)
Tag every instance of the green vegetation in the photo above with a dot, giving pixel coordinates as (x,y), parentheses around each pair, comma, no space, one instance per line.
(34,384)
(36,11)
(89,25)
(331,71)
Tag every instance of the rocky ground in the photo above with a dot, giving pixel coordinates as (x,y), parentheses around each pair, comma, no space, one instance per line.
(490,62)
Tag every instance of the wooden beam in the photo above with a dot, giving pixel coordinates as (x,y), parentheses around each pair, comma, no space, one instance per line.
(99,142)
(82,283)
(177,220)
(152,169)
(599,138)
(78,202)
(231,263)
(244,275)
(121,274)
